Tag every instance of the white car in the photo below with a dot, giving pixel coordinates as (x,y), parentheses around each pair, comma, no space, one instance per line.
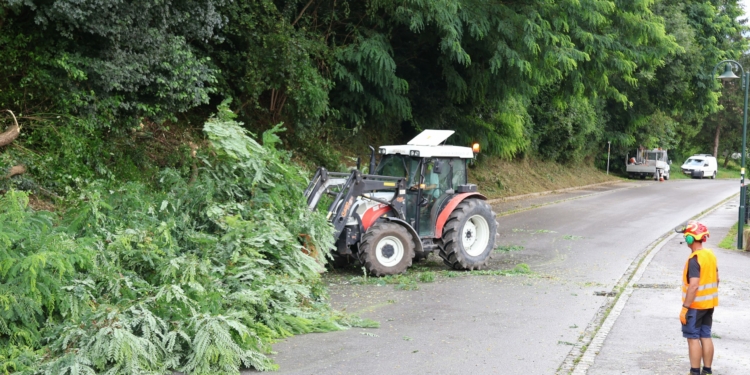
(700,166)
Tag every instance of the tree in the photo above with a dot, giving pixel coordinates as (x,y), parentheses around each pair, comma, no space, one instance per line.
(671,102)
(72,56)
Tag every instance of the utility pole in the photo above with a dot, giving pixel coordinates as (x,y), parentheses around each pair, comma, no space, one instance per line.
(608,149)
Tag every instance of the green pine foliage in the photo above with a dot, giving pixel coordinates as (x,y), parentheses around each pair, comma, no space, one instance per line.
(196,274)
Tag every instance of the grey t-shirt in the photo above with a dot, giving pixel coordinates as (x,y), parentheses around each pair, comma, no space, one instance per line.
(694,269)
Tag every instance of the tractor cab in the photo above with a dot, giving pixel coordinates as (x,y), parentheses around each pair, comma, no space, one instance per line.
(432,172)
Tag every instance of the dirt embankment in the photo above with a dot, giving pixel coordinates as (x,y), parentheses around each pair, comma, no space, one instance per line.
(498,178)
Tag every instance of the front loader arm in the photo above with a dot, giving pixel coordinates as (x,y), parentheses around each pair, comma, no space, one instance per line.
(348,188)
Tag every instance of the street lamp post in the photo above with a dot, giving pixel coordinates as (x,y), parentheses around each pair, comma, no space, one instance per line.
(729,75)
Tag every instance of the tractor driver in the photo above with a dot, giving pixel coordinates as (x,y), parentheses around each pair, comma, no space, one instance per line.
(432,180)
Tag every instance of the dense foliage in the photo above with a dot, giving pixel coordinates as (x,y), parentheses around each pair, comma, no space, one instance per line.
(553,79)
(198,275)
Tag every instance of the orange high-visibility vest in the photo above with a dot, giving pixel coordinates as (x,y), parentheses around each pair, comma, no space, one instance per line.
(707,296)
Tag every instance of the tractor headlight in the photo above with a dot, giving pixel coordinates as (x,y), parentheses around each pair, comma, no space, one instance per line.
(381,151)
(414,153)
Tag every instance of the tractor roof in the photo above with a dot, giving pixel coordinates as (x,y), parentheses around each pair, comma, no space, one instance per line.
(427,145)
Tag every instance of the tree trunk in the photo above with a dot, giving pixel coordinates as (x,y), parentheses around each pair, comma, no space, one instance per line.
(726,159)
(716,140)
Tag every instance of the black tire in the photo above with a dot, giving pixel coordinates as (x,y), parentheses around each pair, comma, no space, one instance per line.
(386,249)
(480,218)
(714,176)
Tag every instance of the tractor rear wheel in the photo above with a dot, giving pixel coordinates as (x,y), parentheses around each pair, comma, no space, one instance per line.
(469,235)
(386,249)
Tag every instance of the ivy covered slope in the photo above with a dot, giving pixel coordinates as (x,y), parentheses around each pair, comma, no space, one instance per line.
(198,274)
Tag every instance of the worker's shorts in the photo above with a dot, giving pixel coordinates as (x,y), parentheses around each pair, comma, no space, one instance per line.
(698,324)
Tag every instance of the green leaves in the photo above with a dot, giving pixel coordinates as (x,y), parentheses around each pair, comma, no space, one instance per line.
(141,65)
(193,276)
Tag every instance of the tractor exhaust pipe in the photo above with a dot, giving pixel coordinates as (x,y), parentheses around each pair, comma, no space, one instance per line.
(372,160)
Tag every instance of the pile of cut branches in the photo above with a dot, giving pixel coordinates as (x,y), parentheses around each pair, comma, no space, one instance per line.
(198,274)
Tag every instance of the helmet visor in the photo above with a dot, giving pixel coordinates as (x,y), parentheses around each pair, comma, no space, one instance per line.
(682,227)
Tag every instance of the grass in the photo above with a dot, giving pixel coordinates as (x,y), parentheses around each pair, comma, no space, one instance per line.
(508,248)
(533,231)
(571,237)
(730,240)
(499,178)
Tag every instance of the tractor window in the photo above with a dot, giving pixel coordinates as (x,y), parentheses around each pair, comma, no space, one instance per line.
(459,172)
(414,170)
(391,165)
(399,166)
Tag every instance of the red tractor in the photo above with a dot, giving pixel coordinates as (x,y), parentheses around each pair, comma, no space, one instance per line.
(417,201)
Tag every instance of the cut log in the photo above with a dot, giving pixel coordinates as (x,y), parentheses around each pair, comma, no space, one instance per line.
(6,138)
(16,170)
(12,133)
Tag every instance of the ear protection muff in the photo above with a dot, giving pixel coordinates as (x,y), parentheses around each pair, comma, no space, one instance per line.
(689,239)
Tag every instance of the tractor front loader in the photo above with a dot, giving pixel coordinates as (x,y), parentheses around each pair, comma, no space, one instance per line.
(416,201)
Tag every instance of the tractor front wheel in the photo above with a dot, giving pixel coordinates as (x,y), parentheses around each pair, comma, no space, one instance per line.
(386,249)
(469,235)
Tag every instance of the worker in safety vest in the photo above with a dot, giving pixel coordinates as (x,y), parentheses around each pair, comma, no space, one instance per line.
(700,294)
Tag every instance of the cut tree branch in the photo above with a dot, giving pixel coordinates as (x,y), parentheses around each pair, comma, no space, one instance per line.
(194,167)
(12,133)
(7,138)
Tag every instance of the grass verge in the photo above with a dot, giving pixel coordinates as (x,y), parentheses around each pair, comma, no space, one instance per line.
(730,240)
(499,178)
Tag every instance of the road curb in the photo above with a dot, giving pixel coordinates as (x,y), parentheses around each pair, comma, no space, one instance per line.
(538,194)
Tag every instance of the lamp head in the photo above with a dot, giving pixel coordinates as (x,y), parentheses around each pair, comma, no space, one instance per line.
(475,147)
(728,73)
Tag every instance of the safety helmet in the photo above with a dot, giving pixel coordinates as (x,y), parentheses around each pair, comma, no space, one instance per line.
(693,231)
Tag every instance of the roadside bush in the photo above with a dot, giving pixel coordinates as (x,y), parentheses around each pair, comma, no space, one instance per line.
(198,274)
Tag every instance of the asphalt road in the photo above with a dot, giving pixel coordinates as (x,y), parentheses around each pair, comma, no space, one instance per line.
(579,246)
